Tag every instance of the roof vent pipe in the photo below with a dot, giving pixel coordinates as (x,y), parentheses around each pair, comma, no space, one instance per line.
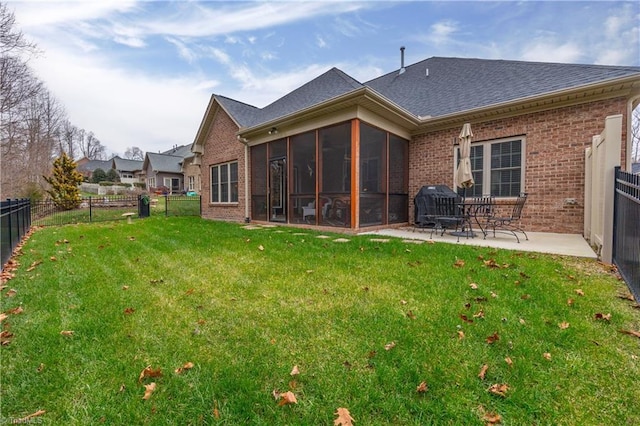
(402,70)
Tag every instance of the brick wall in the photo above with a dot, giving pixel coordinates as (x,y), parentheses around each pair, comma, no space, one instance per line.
(555,148)
(222,146)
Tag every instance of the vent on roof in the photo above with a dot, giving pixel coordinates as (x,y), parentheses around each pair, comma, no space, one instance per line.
(402,70)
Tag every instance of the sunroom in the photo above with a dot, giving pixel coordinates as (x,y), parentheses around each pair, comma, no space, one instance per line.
(349,174)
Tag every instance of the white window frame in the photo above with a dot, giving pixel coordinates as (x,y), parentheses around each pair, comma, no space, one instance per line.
(216,168)
(152,182)
(192,183)
(486,162)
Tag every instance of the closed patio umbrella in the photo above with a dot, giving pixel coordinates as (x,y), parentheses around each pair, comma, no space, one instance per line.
(463,176)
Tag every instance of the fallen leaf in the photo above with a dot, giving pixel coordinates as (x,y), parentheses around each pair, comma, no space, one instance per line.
(522,321)
(67,332)
(33,265)
(276,394)
(122,388)
(190,291)
(459,263)
(11,293)
(186,366)
(525,297)
(411,315)
(570,302)
(473,286)
(605,317)
(344,418)
(389,346)
(148,390)
(260,247)
(5,337)
(494,295)
(216,413)
(53,258)
(40,368)
(509,361)
(15,311)
(295,371)
(480,314)
(492,418)
(547,356)
(631,332)
(30,416)
(465,319)
(460,334)
(403,302)
(129,311)
(287,398)
(579,292)
(422,387)
(627,296)
(3,316)
(563,325)
(499,389)
(483,371)
(125,287)
(493,338)
(149,372)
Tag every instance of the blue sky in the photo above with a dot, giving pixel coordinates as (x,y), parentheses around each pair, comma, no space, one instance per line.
(140,73)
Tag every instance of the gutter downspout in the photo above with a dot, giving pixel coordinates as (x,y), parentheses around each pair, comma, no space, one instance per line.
(245,142)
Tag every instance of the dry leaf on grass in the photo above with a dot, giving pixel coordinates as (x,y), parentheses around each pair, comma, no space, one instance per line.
(509,361)
(483,371)
(30,416)
(499,389)
(630,333)
(473,286)
(547,356)
(492,418)
(3,316)
(459,263)
(604,317)
(149,372)
(422,387)
(563,325)
(460,334)
(287,398)
(390,346)
(579,292)
(344,418)
(16,311)
(261,247)
(295,371)
(493,338)
(67,332)
(11,293)
(148,390)
(186,366)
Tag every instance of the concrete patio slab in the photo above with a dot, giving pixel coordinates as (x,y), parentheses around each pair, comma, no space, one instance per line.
(541,242)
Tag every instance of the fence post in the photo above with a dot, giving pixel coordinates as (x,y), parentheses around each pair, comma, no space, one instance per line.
(166,205)
(90,210)
(613,130)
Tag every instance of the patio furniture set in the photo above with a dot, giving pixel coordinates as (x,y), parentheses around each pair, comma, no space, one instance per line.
(440,209)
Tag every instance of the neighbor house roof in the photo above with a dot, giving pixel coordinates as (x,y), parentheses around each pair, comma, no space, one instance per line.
(163,163)
(123,164)
(437,86)
(179,151)
(92,165)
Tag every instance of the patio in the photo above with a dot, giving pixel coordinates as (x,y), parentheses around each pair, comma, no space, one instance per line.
(542,242)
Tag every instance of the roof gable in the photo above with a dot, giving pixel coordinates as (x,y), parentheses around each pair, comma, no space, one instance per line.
(164,162)
(124,164)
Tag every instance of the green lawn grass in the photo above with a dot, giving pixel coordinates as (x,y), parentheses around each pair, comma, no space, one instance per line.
(247,305)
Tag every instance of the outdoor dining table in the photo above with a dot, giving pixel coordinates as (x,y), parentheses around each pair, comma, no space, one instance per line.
(472,210)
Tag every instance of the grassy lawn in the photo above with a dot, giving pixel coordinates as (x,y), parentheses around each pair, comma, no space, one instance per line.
(365,322)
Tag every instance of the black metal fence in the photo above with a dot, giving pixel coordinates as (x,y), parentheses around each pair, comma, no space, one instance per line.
(626,229)
(90,209)
(15,218)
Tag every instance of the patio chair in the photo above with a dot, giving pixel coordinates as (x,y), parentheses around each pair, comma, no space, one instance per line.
(508,224)
(448,214)
(481,209)
(309,210)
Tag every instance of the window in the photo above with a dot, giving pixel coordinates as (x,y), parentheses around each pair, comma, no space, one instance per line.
(497,168)
(224,183)
(152,182)
(192,183)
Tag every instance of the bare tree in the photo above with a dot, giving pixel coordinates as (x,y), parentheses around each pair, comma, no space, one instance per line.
(92,148)
(134,153)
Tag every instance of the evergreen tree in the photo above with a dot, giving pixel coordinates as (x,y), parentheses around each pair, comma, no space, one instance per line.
(112,176)
(64,182)
(98,175)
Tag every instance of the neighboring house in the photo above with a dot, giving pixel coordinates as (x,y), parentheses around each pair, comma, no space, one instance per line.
(337,152)
(86,167)
(129,171)
(635,168)
(163,170)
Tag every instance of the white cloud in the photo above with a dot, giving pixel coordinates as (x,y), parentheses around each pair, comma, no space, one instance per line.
(183,50)
(543,50)
(320,42)
(442,32)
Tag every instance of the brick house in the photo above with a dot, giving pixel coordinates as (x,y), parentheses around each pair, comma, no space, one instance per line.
(339,153)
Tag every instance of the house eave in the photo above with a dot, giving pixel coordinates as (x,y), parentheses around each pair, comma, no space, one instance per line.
(623,87)
(363,97)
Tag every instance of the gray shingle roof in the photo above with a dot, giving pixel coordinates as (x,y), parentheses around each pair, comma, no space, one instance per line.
(180,151)
(452,85)
(92,165)
(123,164)
(458,84)
(165,163)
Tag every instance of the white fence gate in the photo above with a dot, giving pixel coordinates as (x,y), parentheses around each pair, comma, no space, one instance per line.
(601,160)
